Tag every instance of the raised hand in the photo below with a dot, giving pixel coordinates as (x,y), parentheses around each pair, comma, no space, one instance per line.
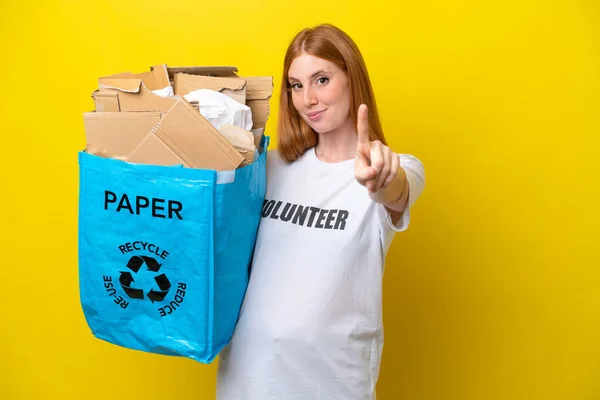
(376,165)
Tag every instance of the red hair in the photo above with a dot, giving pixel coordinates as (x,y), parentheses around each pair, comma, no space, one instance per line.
(330,43)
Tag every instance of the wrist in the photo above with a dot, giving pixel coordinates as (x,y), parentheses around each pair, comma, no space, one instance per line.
(394,192)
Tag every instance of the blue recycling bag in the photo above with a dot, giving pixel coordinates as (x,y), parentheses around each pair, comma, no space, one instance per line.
(164,252)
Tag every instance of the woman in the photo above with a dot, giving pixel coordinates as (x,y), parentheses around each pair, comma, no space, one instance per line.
(310,325)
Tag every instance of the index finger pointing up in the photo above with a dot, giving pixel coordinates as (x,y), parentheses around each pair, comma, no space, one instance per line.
(362,125)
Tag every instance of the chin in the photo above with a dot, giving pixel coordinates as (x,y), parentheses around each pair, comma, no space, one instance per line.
(322,131)
(321,128)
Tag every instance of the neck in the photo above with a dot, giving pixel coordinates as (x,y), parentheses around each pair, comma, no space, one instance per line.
(338,145)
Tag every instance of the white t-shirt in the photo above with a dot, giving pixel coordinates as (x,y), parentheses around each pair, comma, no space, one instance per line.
(310,326)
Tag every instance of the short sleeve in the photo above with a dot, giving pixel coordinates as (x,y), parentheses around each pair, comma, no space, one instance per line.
(415,175)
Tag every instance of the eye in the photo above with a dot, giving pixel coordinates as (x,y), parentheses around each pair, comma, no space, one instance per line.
(322,80)
(295,86)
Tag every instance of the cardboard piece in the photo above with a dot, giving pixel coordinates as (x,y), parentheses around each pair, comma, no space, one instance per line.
(258,93)
(118,133)
(154,151)
(133,92)
(142,100)
(194,140)
(232,87)
(97,151)
(206,71)
(241,139)
(106,101)
(155,79)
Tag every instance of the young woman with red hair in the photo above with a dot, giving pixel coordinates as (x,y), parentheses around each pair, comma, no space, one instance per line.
(310,326)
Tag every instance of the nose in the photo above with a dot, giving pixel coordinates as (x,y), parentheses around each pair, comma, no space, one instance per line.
(310,98)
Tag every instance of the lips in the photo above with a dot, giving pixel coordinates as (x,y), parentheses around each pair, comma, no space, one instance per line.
(315,115)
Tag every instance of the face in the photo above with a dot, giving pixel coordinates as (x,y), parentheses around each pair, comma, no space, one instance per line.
(320,92)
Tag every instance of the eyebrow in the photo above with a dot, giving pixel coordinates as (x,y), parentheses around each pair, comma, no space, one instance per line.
(319,72)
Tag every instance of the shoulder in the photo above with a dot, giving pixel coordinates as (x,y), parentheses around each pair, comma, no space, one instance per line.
(410,160)
(275,163)
(273,157)
(415,173)
(273,154)
(275,160)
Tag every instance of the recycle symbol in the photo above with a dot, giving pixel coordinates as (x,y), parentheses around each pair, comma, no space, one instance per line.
(134,264)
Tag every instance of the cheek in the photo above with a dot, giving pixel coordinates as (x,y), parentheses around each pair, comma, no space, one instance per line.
(339,97)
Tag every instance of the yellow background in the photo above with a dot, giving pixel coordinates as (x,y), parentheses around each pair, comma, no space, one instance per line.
(493,292)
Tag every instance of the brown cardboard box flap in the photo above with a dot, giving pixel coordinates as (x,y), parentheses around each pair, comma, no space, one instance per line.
(258,95)
(133,92)
(118,133)
(222,71)
(106,101)
(195,140)
(97,151)
(143,100)
(154,151)
(232,87)
(261,110)
(259,87)
(155,79)
(122,84)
